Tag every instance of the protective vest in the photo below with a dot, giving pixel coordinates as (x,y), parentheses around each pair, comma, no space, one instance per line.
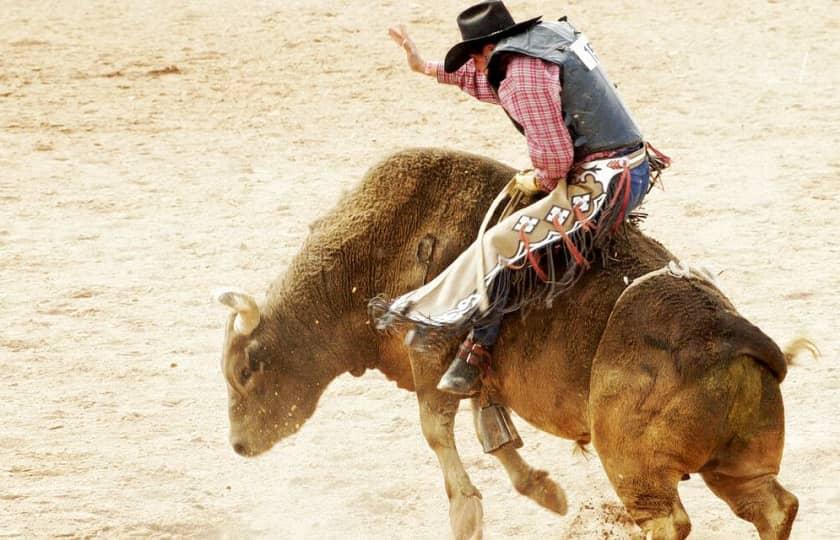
(593,112)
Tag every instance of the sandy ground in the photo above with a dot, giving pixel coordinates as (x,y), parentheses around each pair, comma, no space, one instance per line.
(150,153)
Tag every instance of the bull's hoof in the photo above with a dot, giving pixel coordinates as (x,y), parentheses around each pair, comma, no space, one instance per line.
(666,528)
(466,516)
(544,491)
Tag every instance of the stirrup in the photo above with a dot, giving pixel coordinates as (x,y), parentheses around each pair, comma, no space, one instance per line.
(464,373)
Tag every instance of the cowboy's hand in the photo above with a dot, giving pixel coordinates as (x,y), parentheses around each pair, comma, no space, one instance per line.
(526,182)
(400,36)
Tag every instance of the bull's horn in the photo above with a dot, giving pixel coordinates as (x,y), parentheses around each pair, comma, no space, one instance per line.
(247,311)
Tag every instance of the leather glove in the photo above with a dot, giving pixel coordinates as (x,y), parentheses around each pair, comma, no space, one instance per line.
(526,182)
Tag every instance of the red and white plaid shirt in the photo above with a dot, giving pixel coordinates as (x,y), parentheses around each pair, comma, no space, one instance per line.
(530,93)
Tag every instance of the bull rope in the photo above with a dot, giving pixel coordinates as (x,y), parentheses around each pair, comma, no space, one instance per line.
(679,270)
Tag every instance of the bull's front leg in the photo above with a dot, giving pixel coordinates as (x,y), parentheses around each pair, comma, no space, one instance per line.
(533,483)
(437,415)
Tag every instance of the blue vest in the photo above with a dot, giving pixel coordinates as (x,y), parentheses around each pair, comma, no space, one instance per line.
(596,117)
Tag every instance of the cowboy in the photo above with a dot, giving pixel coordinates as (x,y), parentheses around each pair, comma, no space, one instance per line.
(548,80)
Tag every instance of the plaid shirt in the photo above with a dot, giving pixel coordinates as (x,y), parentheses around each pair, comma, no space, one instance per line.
(530,93)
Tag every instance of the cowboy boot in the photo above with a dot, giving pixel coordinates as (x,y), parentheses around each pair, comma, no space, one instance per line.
(462,377)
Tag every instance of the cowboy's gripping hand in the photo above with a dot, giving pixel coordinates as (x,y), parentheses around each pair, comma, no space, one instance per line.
(526,182)
(400,36)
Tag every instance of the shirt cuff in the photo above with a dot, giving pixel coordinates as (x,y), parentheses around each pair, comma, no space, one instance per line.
(436,69)
(543,182)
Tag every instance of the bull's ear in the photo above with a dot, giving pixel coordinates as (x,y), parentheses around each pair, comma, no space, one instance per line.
(247,311)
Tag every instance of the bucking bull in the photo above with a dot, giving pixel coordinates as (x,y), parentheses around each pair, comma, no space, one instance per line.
(664,378)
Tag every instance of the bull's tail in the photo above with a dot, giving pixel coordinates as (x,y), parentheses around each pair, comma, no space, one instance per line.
(748,339)
(799,346)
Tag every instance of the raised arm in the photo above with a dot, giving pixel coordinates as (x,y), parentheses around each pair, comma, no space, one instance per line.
(400,36)
(467,78)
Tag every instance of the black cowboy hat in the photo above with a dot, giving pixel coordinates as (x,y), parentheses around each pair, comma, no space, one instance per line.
(485,21)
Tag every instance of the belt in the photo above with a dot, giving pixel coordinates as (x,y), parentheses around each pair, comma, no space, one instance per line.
(633,159)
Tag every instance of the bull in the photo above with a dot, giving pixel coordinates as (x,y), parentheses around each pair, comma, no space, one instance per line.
(663,378)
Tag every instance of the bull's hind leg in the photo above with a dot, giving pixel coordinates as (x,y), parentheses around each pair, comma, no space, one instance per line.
(647,438)
(651,499)
(437,415)
(533,483)
(760,500)
(743,472)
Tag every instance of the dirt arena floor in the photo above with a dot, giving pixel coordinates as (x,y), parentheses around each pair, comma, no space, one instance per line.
(151,151)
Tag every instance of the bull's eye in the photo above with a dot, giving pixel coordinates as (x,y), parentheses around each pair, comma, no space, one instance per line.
(244,374)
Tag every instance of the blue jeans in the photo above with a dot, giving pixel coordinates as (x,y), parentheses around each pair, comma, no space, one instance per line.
(488,333)
(639,183)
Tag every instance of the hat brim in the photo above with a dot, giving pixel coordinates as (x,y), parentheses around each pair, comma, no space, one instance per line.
(460,53)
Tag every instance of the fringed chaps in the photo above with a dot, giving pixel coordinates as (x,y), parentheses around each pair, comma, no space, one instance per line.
(534,253)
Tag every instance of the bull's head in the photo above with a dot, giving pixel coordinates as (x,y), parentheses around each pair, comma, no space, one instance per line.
(271,390)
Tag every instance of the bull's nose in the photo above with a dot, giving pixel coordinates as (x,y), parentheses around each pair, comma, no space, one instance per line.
(240,449)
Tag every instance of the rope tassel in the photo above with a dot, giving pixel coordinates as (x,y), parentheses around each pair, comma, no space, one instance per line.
(659,155)
(624,187)
(532,257)
(572,249)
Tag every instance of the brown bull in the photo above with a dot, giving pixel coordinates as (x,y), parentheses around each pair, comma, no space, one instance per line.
(668,381)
